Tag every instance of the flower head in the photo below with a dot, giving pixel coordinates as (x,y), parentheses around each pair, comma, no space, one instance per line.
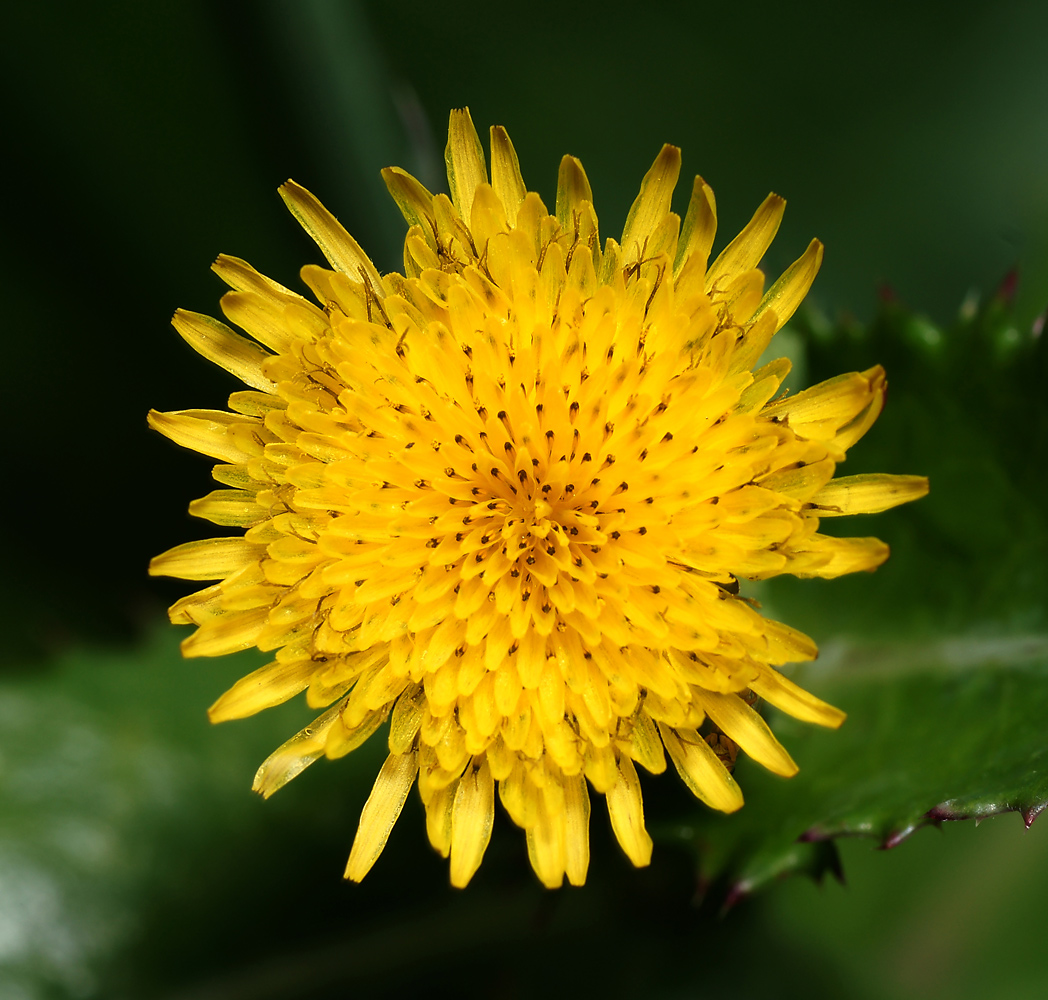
(503,500)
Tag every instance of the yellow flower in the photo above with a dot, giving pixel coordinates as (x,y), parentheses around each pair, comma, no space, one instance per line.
(504,500)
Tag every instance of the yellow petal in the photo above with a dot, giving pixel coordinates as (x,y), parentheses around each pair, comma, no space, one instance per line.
(438,818)
(787,645)
(576,829)
(545,840)
(206,431)
(260,316)
(868,494)
(699,228)
(651,204)
(406,719)
(839,556)
(745,251)
(380,812)
(464,158)
(701,769)
(230,508)
(242,277)
(206,559)
(788,697)
(270,685)
(820,412)
(573,188)
(471,819)
(344,738)
(645,747)
(413,199)
(216,342)
(626,809)
(342,251)
(229,633)
(788,292)
(291,758)
(878,386)
(742,724)
(766,382)
(505,173)
(758,336)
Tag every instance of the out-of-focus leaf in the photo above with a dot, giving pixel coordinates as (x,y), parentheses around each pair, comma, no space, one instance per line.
(113,788)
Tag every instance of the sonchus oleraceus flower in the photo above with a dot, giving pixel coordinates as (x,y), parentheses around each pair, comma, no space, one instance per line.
(503,500)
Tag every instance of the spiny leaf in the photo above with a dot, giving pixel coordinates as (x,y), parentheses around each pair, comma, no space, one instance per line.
(945,673)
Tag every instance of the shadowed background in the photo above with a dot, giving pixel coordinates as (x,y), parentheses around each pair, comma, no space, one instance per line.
(146,139)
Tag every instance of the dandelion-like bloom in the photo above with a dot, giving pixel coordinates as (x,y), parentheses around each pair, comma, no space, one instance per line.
(504,500)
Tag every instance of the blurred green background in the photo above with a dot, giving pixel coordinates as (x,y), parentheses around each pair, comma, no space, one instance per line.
(146,139)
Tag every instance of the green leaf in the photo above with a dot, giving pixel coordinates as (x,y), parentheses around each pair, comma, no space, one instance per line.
(965,407)
(935,732)
(941,657)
